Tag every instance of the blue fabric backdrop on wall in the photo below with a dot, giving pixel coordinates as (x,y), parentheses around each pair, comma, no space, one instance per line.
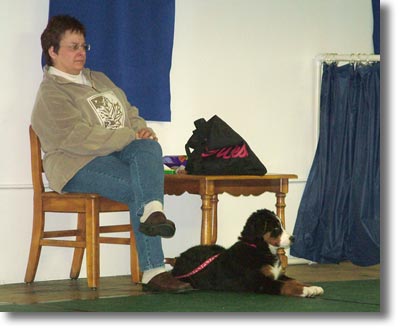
(131,42)
(339,213)
(376,11)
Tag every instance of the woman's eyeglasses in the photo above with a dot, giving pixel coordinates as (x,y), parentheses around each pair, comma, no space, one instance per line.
(75,47)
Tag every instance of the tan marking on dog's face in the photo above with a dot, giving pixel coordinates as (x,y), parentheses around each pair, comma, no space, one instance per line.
(271,240)
(283,240)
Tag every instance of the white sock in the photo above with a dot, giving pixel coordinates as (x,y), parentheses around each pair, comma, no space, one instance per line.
(150,274)
(149,208)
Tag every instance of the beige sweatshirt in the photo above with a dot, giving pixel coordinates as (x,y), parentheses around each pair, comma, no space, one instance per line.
(77,123)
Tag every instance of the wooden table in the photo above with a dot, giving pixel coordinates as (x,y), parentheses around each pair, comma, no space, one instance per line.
(210,186)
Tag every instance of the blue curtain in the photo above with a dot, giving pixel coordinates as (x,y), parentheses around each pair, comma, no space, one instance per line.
(339,214)
(131,43)
(376,14)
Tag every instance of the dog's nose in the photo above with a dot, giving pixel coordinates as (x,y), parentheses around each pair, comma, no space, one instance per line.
(291,239)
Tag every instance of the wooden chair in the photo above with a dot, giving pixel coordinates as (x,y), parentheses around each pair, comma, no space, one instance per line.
(88,232)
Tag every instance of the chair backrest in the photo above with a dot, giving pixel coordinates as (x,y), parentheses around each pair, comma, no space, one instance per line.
(36,162)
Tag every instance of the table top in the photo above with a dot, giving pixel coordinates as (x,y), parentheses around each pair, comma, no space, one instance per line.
(269,176)
(236,185)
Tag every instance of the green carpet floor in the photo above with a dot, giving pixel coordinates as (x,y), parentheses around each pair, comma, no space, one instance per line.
(343,296)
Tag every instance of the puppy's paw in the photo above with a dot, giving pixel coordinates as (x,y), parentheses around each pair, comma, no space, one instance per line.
(312,291)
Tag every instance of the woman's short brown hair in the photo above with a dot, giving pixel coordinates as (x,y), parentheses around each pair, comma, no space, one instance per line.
(54,32)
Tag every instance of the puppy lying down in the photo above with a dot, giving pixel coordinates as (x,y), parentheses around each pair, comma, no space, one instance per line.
(250,265)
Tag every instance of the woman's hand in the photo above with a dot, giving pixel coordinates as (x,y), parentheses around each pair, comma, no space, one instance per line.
(146,133)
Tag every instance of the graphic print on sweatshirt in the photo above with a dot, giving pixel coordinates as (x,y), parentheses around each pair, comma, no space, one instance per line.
(108,109)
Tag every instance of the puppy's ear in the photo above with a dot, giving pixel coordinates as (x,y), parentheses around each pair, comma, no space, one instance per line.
(254,228)
(248,232)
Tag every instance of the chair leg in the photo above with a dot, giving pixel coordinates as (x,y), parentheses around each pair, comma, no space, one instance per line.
(36,247)
(78,252)
(135,271)
(92,242)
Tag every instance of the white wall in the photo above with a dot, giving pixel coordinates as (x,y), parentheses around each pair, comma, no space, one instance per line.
(249,61)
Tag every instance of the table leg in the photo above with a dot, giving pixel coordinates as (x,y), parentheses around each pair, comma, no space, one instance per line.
(280,207)
(280,211)
(206,219)
(214,221)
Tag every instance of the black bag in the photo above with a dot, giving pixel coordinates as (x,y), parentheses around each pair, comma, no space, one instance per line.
(216,149)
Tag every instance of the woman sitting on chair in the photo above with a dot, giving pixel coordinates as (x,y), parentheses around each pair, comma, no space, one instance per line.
(95,142)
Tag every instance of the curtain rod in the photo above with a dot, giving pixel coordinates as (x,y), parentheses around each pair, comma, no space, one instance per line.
(354,57)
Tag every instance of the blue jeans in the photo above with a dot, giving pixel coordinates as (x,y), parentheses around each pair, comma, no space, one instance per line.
(134,176)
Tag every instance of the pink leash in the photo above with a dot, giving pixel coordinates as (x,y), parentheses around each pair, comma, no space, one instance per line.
(207,262)
(199,268)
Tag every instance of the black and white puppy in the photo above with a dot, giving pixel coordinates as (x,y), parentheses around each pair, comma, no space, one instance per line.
(250,265)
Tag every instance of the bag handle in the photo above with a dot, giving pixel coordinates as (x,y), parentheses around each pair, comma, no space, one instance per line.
(198,137)
(200,123)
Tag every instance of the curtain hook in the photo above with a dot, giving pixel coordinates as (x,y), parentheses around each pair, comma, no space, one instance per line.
(352,60)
